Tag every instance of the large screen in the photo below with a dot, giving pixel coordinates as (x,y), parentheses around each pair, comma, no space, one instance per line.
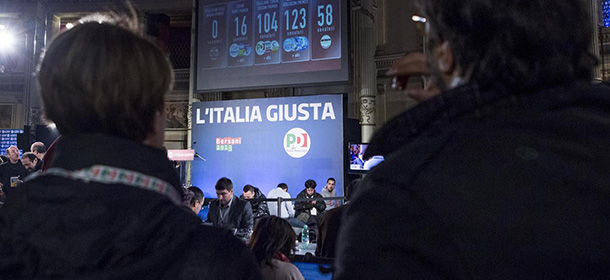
(264,142)
(267,43)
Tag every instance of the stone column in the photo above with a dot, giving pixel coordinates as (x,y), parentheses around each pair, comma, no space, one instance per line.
(365,78)
(595,13)
(36,23)
(189,116)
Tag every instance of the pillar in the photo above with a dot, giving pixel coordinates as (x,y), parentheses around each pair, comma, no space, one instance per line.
(595,26)
(35,41)
(365,78)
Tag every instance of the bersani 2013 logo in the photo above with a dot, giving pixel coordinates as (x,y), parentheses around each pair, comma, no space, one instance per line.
(226,143)
(297,142)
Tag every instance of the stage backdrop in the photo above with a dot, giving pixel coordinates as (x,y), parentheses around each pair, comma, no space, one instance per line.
(264,142)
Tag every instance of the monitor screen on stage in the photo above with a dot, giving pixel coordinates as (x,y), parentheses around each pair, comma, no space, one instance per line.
(357,162)
(270,43)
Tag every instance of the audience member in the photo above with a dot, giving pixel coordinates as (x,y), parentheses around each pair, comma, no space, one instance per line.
(12,172)
(197,199)
(308,211)
(40,150)
(48,156)
(229,211)
(504,174)
(29,162)
(272,242)
(109,206)
(330,191)
(187,196)
(330,223)
(259,207)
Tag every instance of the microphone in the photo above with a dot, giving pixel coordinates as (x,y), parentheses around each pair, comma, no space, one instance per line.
(200,157)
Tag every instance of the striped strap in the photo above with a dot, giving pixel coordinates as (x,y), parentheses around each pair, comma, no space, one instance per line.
(111,175)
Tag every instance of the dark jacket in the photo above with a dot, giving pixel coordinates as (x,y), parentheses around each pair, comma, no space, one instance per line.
(306,206)
(108,208)
(486,185)
(38,165)
(259,208)
(240,217)
(329,232)
(8,170)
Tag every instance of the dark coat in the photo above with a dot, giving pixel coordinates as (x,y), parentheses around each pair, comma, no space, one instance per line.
(306,206)
(56,226)
(259,208)
(240,216)
(8,170)
(329,232)
(486,185)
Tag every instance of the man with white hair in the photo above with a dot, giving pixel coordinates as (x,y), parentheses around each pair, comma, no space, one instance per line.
(11,172)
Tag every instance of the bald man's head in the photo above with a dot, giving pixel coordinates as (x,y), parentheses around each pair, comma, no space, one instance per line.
(39,149)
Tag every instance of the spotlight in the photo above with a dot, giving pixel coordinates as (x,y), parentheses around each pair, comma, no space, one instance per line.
(69,25)
(417,18)
(7,40)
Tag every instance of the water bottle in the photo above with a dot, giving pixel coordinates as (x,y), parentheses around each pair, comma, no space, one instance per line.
(305,237)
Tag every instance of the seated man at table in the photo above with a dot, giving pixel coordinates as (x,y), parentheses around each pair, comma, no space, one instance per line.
(309,211)
(330,191)
(231,212)
(259,208)
(286,208)
(197,200)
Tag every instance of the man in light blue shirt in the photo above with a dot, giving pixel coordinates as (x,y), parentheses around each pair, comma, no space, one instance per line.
(287,209)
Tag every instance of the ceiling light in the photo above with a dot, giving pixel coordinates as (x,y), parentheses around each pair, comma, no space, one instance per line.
(418,18)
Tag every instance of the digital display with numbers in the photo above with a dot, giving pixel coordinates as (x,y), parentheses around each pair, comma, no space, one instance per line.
(8,137)
(253,44)
(267,34)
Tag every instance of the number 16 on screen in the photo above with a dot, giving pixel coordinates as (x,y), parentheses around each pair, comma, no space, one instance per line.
(240,33)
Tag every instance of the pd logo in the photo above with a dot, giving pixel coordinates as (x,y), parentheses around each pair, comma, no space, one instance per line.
(297,142)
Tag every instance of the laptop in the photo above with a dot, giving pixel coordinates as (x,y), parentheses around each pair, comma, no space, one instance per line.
(314,268)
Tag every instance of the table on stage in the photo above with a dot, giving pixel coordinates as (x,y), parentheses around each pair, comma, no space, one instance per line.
(311,248)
